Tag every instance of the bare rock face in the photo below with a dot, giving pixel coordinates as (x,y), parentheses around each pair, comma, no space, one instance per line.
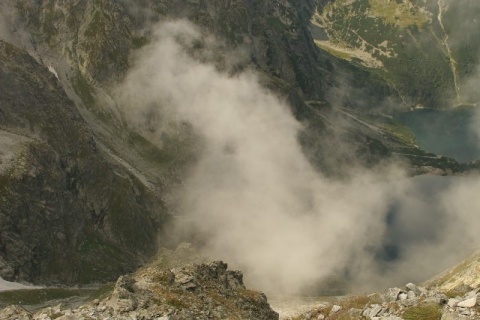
(68,213)
(196,291)
(98,37)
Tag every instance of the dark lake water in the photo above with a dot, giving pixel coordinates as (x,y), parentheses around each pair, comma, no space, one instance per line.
(445,132)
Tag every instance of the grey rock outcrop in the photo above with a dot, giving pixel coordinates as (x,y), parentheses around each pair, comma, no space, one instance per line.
(152,293)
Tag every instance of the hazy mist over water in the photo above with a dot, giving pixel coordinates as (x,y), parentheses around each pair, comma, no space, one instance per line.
(445,132)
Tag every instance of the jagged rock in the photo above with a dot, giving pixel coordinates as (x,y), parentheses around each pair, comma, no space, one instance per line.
(375,311)
(392,294)
(448,315)
(474,293)
(151,293)
(411,295)
(464,311)
(14,313)
(469,303)
(409,302)
(335,309)
(413,288)
(402,296)
(452,303)
(438,298)
(366,312)
(355,313)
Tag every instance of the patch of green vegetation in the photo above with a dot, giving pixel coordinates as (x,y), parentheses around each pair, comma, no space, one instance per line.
(403,14)
(139,42)
(347,303)
(175,151)
(176,302)
(92,250)
(425,311)
(5,182)
(401,131)
(466,106)
(337,53)
(457,292)
(459,269)
(360,301)
(83,89)
(276,23)
(103,292)
(251,294)
(87,94)
(40,296)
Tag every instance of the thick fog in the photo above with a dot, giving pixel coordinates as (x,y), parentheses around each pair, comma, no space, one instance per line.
(254,200)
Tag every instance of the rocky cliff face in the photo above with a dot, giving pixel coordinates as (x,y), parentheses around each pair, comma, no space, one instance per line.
(97,38)
(69,213)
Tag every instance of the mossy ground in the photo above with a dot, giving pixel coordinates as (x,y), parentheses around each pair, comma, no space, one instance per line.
(426,311)
(32,297)
(347,303)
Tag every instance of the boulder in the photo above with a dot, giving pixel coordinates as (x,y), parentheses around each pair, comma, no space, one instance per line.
(391,295)
(411,295)
(335,309)
(376,309)
(402,296)
(413,288)
(469,303)
(452,303)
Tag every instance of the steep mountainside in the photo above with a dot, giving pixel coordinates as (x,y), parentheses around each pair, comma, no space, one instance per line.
(426,49)
(68,212)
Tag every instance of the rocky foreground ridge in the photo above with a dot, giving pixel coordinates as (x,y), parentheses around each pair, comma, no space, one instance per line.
(209,291)
(164,291)
(196,291)
(411,302)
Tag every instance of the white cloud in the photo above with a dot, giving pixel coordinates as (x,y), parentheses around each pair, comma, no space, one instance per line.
(253,199)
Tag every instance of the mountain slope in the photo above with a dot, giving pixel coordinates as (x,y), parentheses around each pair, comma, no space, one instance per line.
(69,213)
(464,274)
